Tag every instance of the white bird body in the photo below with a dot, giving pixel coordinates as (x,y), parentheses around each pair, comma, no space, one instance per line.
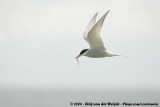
(98,53)
(93,37)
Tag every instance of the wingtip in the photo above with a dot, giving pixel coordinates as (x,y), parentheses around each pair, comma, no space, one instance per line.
(96,13)
(107,11)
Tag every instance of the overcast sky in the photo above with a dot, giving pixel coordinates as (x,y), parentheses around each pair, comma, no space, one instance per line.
(39,40)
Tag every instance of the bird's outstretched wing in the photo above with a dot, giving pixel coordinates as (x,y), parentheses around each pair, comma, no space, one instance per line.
(94,37)
(89,27)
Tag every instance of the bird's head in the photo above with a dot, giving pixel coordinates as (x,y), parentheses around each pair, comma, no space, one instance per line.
(82,53)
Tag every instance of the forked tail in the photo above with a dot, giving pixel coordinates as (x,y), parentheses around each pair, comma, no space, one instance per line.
(120,55)
(125,56)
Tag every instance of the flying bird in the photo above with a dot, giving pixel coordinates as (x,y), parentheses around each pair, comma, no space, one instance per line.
(93,37)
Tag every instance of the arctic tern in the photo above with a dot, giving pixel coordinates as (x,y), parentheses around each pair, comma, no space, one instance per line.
(93,37)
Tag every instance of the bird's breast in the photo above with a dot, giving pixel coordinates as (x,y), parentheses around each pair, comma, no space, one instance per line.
(96,53)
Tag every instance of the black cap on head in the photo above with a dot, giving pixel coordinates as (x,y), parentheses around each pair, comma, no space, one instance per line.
(83,51)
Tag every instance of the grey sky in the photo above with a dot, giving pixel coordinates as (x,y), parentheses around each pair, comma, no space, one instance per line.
(39,41)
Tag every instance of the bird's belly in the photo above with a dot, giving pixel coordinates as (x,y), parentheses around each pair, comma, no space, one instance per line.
(97,54)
